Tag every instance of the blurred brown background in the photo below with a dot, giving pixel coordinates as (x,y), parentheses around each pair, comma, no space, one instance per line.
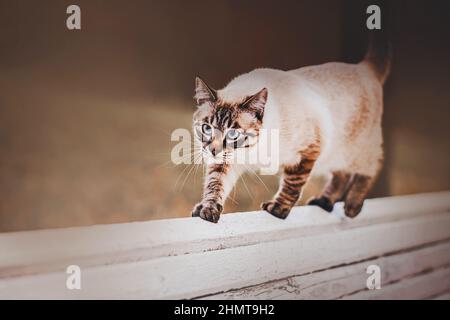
(86,116)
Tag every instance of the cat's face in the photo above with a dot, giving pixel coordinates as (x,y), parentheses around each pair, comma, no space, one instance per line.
(226,130)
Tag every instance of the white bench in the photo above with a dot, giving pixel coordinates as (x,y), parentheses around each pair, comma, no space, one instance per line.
(311,254)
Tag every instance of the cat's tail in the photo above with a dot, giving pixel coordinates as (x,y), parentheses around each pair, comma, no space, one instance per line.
(379,54)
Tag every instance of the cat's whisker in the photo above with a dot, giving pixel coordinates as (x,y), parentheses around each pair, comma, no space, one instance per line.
(170,161)
(187,156)
(257,176)
(232,199)
(187,175)
(197,165)
(179,177)
(162,130)
(245,185)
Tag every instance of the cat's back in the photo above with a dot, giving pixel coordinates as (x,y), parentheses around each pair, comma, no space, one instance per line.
(351,91)
(332,80)
(338,79)
(249,83)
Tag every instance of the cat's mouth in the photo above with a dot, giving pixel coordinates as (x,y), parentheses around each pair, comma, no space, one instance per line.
(217,157)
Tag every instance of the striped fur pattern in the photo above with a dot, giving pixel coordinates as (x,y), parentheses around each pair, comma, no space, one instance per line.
(212,204)
(220,117)
(293,179)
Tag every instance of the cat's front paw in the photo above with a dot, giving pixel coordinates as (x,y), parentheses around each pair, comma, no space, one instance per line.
(197,208)
(276,209)
(209,211)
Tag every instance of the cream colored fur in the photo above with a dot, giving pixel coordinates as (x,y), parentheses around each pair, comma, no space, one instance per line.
(341,102)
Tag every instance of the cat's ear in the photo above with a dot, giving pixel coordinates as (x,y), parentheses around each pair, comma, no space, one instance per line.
(203,93)
(256,103)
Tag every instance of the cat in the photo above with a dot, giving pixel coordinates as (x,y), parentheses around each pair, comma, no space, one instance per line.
(329,122)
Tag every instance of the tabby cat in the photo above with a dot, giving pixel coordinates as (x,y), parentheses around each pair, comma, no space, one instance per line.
(329,122)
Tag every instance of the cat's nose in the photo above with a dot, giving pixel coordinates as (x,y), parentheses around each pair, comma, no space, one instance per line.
(215,148)
(215,151)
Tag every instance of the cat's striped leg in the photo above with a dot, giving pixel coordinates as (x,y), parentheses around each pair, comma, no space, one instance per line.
(360,186)
(334,191)
(219,180)
(293,179)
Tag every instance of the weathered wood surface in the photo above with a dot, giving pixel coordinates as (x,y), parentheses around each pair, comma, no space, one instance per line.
(419,287)
(189,258)
(350,280)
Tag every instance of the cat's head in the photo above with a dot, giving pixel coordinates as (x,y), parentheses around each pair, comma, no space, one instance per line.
(227,128)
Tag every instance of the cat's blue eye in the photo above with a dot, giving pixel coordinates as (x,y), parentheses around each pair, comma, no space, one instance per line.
(206,129)
(233,134)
